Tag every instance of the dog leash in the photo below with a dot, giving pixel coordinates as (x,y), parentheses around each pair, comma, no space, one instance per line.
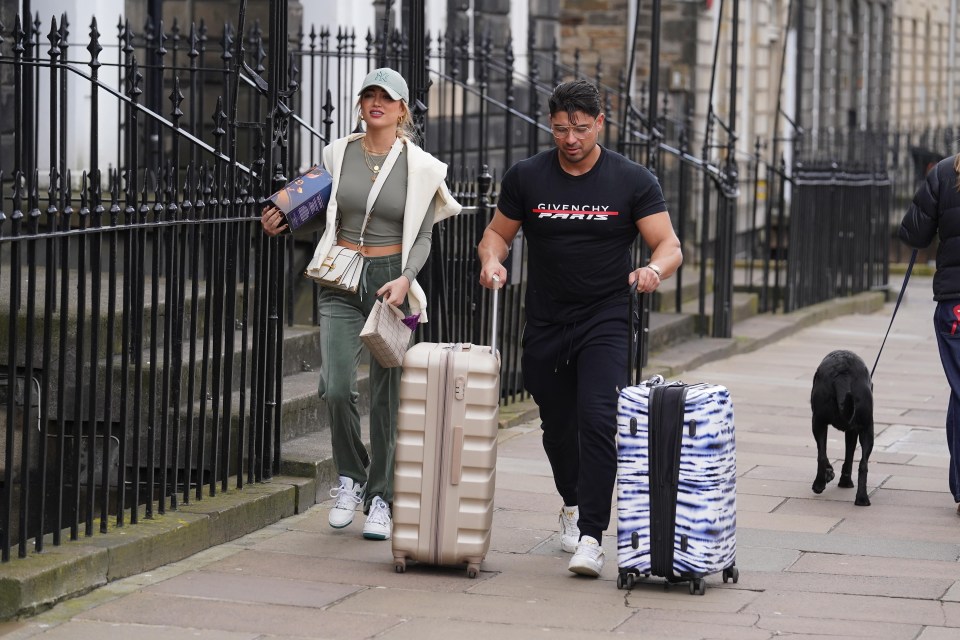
(906,277)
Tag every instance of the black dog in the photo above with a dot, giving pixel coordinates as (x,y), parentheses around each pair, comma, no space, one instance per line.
(842,395)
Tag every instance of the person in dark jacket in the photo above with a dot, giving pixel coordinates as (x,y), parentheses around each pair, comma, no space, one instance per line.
(935,210)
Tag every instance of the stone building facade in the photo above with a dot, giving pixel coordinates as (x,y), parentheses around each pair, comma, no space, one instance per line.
(833,65)
(926,70)
(842,82)
(830,65)
(600,31)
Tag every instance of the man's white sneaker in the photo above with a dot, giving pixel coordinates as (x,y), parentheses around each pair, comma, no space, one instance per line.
(349,494)
(379,524)
(588,560)
(569,531)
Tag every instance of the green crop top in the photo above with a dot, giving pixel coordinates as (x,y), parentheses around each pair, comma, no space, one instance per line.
(386,220)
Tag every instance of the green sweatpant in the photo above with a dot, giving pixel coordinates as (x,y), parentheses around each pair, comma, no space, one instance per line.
(341,318)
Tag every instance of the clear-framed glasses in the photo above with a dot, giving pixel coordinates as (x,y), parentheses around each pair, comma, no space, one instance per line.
(580,131)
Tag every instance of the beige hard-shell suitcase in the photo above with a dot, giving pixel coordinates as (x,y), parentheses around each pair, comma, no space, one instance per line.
(446,454)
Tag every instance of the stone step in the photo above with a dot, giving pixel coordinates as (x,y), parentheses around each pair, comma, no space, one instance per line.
(744,305)
(303,414)
(53,317)
(301,353)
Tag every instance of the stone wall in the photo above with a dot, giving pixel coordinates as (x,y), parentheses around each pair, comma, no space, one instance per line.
(545,23)
(601,29)
(492,19)
(214,13)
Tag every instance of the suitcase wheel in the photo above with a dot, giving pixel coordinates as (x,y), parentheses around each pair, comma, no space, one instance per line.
(731,573)
(473,569)
(626,579)
(698,587)
(400,564)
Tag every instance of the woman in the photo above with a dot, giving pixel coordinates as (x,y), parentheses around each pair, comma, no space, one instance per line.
(936,210)
(395,245)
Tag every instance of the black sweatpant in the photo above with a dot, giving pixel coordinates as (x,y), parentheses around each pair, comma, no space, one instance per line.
(574,372)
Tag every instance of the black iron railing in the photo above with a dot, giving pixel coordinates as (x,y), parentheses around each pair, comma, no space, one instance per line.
(143,354)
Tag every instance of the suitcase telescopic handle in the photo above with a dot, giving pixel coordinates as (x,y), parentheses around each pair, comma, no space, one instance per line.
(493,321)
(633,338)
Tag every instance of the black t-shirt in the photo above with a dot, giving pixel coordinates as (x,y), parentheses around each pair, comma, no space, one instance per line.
(579,230)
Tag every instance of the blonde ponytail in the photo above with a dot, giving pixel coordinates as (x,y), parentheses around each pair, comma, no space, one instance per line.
(406,128)
(956,169)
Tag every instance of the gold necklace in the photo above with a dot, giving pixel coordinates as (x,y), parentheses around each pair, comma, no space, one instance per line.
(372,160)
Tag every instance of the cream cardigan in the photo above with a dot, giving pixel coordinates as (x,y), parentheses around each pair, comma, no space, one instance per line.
(425,182)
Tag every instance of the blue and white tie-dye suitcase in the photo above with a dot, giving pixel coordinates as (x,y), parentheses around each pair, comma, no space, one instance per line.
(676,483)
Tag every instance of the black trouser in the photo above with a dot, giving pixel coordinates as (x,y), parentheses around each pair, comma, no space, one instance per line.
(946,324)
(575,372)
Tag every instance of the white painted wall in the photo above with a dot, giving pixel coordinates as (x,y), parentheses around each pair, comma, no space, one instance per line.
(747,102)
(80,14)
(519,23)
(817,81)
(337,12)
(789,104)
(352,15)
(359,17)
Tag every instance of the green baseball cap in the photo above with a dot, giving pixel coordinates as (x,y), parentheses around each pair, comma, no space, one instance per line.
(390,81)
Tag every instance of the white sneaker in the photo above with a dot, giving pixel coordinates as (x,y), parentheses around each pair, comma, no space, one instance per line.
(588,560)
(349,494)
(569,531)
(379,525)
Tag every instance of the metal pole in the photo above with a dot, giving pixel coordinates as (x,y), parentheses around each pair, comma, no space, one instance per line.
(154,82)
(771,175)
(727,214)
(416,65)
(382,54)
(272,330)
(624,109)
(653,144)
(734,47)
(653,140)
(29,159)
(798,104)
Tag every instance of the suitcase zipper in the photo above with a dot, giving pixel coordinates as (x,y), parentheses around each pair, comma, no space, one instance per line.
(438,458)
(447,365)
(664,436)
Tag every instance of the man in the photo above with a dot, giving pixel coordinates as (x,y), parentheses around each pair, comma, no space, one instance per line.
(580,207)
